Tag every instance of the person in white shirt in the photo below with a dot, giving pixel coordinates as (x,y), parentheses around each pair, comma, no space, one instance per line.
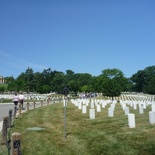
(15,99)
(21,100)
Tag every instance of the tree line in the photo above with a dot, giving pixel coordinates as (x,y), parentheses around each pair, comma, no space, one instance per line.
(111,82)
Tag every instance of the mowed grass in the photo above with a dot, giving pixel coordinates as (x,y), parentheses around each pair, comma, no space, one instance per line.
(101,136)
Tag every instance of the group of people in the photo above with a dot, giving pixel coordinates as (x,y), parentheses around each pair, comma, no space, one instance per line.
(88,95)
(18,99)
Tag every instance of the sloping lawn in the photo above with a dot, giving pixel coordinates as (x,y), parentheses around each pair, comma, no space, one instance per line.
(102,136)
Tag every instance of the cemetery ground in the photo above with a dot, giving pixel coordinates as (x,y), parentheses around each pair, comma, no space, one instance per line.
(103,135)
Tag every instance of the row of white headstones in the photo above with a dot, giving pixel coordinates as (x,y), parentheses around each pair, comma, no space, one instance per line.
(31,97)
(82,104)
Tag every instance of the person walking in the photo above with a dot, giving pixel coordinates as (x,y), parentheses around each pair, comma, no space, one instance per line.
(21,100)
(15,100)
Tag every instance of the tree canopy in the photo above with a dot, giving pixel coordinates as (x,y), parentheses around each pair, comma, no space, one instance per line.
(144,80)
(114,82)
(111,82)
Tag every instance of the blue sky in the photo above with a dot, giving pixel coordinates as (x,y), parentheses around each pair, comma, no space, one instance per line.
(85,36)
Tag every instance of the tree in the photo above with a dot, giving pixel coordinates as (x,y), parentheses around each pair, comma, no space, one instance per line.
(70,73)
(144,80)
(129,86)
(138,80)
(29,80)
(111,82)
(58,82)
(150,87)
(83,79)
(46,89)
(97,83)
(114,82)
(21,85)
(10,80)
(74,86)
(112,88)
(2,88)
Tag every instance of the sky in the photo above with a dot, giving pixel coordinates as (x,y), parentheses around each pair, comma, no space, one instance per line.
(85,36)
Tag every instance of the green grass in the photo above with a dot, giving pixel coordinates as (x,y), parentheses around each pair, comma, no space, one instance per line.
(3,149)
(3,85)
(102,136)
(4,100)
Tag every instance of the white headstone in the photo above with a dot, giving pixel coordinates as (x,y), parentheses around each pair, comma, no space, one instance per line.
(123,105)
(103,104)
(126,110)
(84,109)
(153,106)
(76,103)
(144,105)
(134,105)
(92,113)
(112,106)
(152,117)
(87,102)
(131,120)
(141,110)
(80,105)
(92,104)
(98,108)
(110,112)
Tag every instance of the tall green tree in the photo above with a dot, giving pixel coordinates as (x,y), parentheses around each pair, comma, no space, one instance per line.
(114,82)
(39,82)
(144,80)
(21,85)
(111,82)
(58,82)
(138,80)
(29,80)
(150,87)
(74,86)
(97,83)
(84,80)
(10,81)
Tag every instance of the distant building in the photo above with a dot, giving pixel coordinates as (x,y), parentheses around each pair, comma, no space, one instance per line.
(2,79)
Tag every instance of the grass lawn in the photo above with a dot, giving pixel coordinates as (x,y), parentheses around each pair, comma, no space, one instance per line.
(101,136)
(3,85)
